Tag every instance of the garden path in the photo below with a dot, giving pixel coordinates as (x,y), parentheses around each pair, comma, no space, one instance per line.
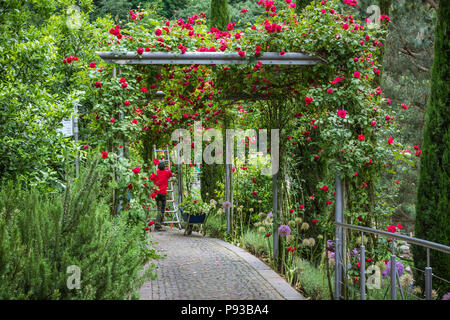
(203,268)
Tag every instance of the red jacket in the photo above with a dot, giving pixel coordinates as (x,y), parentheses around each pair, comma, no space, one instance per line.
(161,180)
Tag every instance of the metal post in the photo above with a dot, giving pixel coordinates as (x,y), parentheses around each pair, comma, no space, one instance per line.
(275,239)
(180,179)
(228,181)
(399,285)
(121,116)
(338,244)
(119,206)
(75,134)
(428,283)
(393,274)
(428,278)
(363,268)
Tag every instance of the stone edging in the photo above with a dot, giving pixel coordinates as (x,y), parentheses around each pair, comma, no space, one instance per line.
(276,281)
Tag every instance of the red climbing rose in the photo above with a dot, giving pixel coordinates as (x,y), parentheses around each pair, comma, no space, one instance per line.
(136,170)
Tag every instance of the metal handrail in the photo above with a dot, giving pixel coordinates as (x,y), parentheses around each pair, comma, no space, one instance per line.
(417,241)
(393,272)
(340,247)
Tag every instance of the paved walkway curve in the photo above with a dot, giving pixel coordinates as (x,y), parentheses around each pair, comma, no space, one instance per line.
(203,268)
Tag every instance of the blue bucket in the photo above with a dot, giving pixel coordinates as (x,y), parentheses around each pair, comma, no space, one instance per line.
(192,218)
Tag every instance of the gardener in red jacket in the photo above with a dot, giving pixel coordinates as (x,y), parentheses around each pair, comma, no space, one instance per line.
(161,180)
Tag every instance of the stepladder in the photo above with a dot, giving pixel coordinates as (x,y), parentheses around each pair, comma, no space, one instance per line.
(171,214)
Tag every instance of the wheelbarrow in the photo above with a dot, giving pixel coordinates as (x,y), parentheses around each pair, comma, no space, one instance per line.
(191,219)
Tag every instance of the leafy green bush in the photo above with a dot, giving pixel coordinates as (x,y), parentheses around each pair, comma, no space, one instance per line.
(256,242)
(312,280)
(215,226)
(42,235)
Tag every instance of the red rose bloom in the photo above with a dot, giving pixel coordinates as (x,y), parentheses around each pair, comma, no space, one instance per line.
(342,113)
(104,154)
(136,170)
(392,229)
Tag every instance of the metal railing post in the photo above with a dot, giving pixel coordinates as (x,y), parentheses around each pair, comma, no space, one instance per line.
(228,180)
(393,273)
(399,285)
(428,278)
(428,283)
(363,268)
(338,245)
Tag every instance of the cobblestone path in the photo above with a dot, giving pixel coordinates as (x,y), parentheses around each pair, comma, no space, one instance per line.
(203,268)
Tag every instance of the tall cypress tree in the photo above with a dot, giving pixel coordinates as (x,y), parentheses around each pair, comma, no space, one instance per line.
(211,174)
(220,14)
(432,207)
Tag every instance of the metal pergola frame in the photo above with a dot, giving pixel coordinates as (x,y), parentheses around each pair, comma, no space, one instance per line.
(215,58)
(209,58)
(275,58)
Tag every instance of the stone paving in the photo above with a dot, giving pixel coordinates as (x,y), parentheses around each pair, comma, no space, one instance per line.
(203,268)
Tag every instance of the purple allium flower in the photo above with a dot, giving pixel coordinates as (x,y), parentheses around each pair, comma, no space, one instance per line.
(226,205)
(398,265)
(332,254)
(354,251)
(270,214)
(284,230)
(446,296)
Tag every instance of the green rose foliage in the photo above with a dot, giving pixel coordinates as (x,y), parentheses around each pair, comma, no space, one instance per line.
(333,109)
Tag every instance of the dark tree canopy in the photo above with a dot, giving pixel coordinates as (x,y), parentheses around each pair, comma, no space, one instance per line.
(220,14)
(432,209)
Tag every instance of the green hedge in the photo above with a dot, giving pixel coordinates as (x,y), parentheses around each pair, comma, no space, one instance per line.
(42,235)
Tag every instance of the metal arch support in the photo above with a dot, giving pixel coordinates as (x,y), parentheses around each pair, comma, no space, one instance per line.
(339,254)
(210,58)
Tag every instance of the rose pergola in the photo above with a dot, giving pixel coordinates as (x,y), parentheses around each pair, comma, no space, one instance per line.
(315,72)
